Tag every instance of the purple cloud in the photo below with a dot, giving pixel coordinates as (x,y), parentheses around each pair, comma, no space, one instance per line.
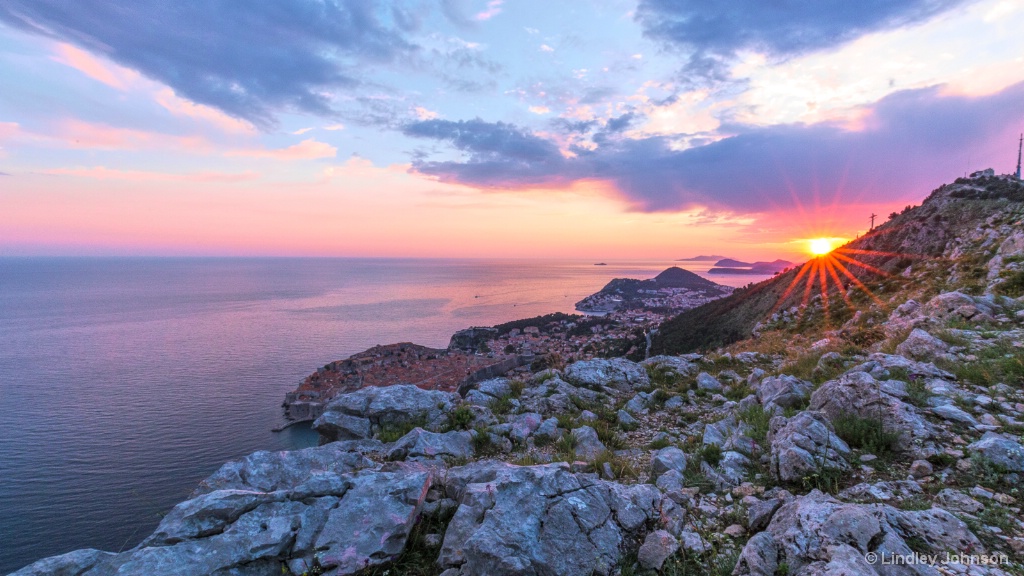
(912,140)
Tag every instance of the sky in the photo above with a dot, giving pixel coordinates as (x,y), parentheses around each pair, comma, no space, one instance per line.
(619,129)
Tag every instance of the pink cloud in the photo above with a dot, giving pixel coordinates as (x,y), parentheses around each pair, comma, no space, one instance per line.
(492,10)
(103,173)
(306,150)
(9,130)
(181,107)
(109,74)
(79,134)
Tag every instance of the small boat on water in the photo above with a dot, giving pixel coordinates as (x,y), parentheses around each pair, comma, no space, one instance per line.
(600,264)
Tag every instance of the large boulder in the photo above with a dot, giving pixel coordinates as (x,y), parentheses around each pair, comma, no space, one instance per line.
(420,443)
(921,345)
(708,382)
(860,394)
(666,459)
(273,471)
(1000,451)
(784,391)
(803,445)
(372,521)
(382,405)
(588,445)
(616,375)
(556,396)
(542,520)
(657,547)
(817,534)
(350,519)
(70,564)
(672,365)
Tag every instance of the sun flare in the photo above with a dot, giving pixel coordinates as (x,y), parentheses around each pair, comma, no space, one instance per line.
(819,246)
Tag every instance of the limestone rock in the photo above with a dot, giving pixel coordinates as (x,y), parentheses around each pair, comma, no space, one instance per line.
(1000,451)
(708,382)
(785,391)
(542,520)
(372,521)
(803,445)
(615,375)
(657,547)
(675,364)
(555,396)
(815,533)
(588,445)
(419,443)
(271,471)
(921,345)
(524,425)
(401,403)
(548,431)
(670,458)
(70,564)
(860,394)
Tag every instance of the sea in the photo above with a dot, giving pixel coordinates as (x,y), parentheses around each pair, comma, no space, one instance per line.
(126,381)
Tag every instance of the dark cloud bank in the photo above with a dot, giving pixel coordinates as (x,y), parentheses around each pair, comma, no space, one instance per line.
(713,32)
(249,59)
(912,139)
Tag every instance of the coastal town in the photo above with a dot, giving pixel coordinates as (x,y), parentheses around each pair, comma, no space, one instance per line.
(615,322)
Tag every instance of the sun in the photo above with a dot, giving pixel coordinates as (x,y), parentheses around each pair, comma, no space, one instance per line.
(820,246)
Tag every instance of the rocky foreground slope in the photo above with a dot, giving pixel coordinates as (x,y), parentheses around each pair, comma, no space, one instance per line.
(882,440)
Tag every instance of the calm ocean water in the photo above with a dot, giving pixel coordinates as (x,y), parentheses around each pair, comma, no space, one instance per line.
(124,382)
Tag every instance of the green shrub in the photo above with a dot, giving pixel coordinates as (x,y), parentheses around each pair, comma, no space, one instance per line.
(502,405)
(608,436)
(395,430)
(918,393)
(483,445)
(620,467)
(757,418)
(659,443)
(1013,285)
(565,448)
(711,453)
(868,434)
(460,418)
(738,392)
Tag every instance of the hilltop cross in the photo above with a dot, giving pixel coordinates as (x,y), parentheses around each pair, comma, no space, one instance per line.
(873,220)
(1020,145)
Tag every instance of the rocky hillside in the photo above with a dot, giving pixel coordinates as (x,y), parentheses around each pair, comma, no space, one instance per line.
(947,243)
(879,436)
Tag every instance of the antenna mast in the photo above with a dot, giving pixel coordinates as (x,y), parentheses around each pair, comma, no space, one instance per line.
(1020,146)
(872,220)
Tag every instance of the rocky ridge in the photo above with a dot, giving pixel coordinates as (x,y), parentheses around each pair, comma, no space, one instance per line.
(819,446)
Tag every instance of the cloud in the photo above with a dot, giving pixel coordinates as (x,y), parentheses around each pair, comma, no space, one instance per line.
(4,174)
(301,131)
(335,127)
(424,114)
(714,33)
(306,150)
(79,134)
(908,142)
(268,57)
(103,173)
(540,109)
(500,154)
(492,10)
(113,76)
